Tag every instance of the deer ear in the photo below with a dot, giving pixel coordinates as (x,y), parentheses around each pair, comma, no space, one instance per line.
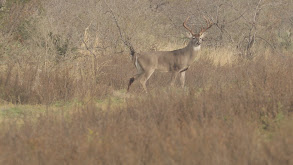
(203,34)
(189,35)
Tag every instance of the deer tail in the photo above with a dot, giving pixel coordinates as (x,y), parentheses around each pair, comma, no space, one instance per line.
(132,51)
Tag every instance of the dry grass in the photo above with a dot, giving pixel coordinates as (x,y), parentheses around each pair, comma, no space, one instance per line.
(239,113)
(64,72)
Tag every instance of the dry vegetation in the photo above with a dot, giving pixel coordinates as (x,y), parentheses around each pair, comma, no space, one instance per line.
(64,71)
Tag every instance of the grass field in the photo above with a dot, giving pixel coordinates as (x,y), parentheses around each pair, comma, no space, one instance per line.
(65,67)
(236,112)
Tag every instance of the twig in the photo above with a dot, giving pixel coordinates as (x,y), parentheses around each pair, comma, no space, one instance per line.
(126,42)
(266,42)
(88,49)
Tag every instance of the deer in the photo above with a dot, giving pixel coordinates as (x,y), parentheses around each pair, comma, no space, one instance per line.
(176,61)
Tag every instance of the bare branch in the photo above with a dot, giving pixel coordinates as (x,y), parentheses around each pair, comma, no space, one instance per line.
(126,42)
(271,45)
(88,49)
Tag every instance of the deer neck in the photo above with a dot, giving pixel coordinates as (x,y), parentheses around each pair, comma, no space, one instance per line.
(193,48)
(192,53)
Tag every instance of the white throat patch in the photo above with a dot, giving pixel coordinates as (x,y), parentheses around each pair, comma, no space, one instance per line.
(196,48)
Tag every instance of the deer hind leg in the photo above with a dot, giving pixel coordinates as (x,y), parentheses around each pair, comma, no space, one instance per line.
(144,78)
(132,79)
(140,72)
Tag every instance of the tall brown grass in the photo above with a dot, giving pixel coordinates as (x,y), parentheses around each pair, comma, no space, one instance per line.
(64,72)
(239,113)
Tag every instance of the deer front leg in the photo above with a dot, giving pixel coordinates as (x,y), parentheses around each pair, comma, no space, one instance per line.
(173,78)
(182,79)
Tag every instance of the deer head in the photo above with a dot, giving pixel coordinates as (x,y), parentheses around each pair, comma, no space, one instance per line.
(197,38)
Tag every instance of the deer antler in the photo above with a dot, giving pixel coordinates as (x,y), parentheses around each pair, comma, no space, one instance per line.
(209,25)
(184,24)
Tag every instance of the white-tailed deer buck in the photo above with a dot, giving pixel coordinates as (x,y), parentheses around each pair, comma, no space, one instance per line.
(176,61)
